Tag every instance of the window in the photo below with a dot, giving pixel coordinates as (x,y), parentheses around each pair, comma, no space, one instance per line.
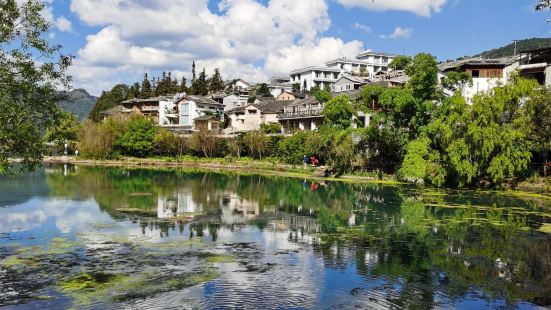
(251,111)
(184,113)
(475,73)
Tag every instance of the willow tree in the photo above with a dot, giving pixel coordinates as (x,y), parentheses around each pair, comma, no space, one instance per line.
(32,75)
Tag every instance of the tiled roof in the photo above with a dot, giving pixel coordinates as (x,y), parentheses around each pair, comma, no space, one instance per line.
(154,99)
(205,118)
(200,99)
(114,110)
(299,102)
(478,61)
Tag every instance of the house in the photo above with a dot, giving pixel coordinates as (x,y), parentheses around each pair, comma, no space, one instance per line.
(146,107)
(239,88)
(207,122)
(486,73)
(113,113)
(233,101)
(278,85)
(302,114)
(252,116)
(322,77)
(365,64)
(536,64)
(347,83)
(286,96)
(179,114)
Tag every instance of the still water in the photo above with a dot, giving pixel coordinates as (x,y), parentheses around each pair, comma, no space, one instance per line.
(99,238)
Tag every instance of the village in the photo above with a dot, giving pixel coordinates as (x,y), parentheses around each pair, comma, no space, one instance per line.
(292,106)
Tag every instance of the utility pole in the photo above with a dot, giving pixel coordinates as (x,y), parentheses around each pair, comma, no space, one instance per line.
(515,41)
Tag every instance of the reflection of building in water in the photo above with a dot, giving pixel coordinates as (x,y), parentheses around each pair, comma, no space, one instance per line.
(286,221)
(236,210)
(177,203)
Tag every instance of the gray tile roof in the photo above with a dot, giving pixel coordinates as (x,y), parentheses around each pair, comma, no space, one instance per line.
(478,61)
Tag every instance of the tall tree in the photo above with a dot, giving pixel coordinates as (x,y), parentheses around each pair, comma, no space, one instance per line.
(400,62)
(108,100)
(145,91)
(263,91)
(216,84)
(29,89)
(134,91)
(200,85)
(423,72)
(183,86)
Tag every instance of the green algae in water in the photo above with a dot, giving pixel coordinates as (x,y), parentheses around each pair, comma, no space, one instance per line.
(220,259)
(59,245)
(87,288)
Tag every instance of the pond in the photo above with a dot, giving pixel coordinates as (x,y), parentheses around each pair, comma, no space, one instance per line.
(101,238)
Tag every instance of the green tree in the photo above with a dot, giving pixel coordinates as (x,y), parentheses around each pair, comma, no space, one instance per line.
(296,87)
(134,91)
(146,90)
(322,95)
(200,86)
(165,143)
(400,62)
(292,149)
(32,71)
(66,130)
(421,164)
(339,112)
(216,84)
(108,100)
(539,111)
(423,72)
(263,91)
(137,139)
(183,86)
(456,81)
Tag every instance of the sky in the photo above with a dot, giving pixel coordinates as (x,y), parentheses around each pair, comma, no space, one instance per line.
(117,41)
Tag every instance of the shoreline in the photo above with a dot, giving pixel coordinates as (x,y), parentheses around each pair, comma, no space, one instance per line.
(259,167)
(250,166)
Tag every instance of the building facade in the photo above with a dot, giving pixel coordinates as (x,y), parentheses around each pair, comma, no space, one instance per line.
(179,114)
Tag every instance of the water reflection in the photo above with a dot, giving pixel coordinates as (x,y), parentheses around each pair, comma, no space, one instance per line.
(298,243)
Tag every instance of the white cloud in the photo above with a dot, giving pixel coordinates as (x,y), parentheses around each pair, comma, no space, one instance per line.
(399,33)
(63,24)
(419,7)
(362,27)
(245,38)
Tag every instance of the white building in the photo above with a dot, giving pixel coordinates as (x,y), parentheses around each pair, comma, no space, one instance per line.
(279,85)
(252,116)
(486,73)
(181,112)
(309,77)
(347,83)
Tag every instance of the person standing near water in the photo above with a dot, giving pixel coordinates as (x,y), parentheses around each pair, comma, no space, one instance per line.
(305,161)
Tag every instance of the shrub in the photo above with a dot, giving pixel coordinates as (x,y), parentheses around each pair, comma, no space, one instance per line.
(270,128)
(165,143)
(98,140)
(137,139)
(291,149)
(256,143)
(204,143)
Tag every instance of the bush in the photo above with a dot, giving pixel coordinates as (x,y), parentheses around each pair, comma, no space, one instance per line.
(270,128)
(98,140)
(203,142)
(291,149)
(272,145)
(165,143)
(137,139)
(256,143)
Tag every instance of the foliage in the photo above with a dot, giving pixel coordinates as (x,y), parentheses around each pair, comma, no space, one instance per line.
(270,128)
(146,91)
(456,81)
(338,112)
(165,143)
(98,140)
(539,111)
(296,87)
(200,85)
(369,96)
(66,130)
(256,143)
(29,89)
(421,164)
(204,142)
(423,72)
(216,84)
(322,95)
(291,149)
(108,100)
(263,91)
(137,139)
(400,62)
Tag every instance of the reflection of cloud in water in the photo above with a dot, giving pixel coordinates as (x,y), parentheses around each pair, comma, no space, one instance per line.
(13,222)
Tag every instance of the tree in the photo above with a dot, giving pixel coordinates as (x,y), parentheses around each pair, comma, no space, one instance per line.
(183,86)
(64,131)
(137,139)
(423,72)
(32,71)
(543,4)
(339,112)
(216,84)
(108,100)
(256,143)
(134,91)
(146,90)
(539,111)
(204,142)
(456,81)
(263,91)
(322,95)
(421,164)
(400,62)
(200,86)
(296,87)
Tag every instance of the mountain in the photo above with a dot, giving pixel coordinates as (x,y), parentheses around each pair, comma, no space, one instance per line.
(522,45)
(79,102)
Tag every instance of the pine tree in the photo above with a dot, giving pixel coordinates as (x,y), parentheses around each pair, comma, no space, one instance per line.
(215,82)
(183,86)
(200,85)
(145,91)
(134,91)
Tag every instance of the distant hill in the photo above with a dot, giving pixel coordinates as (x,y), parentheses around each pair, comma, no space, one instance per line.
(522,45)
(79,102)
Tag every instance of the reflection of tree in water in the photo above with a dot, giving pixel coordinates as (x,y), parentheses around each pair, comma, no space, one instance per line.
(391,233)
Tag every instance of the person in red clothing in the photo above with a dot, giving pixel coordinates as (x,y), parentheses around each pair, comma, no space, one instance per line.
(314,161)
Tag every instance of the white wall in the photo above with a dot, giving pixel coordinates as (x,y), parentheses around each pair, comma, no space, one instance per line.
(231,102)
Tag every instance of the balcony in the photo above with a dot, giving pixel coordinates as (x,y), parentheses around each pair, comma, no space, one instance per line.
(301,114)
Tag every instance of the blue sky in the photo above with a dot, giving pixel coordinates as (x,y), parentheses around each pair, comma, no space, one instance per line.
(118,40)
